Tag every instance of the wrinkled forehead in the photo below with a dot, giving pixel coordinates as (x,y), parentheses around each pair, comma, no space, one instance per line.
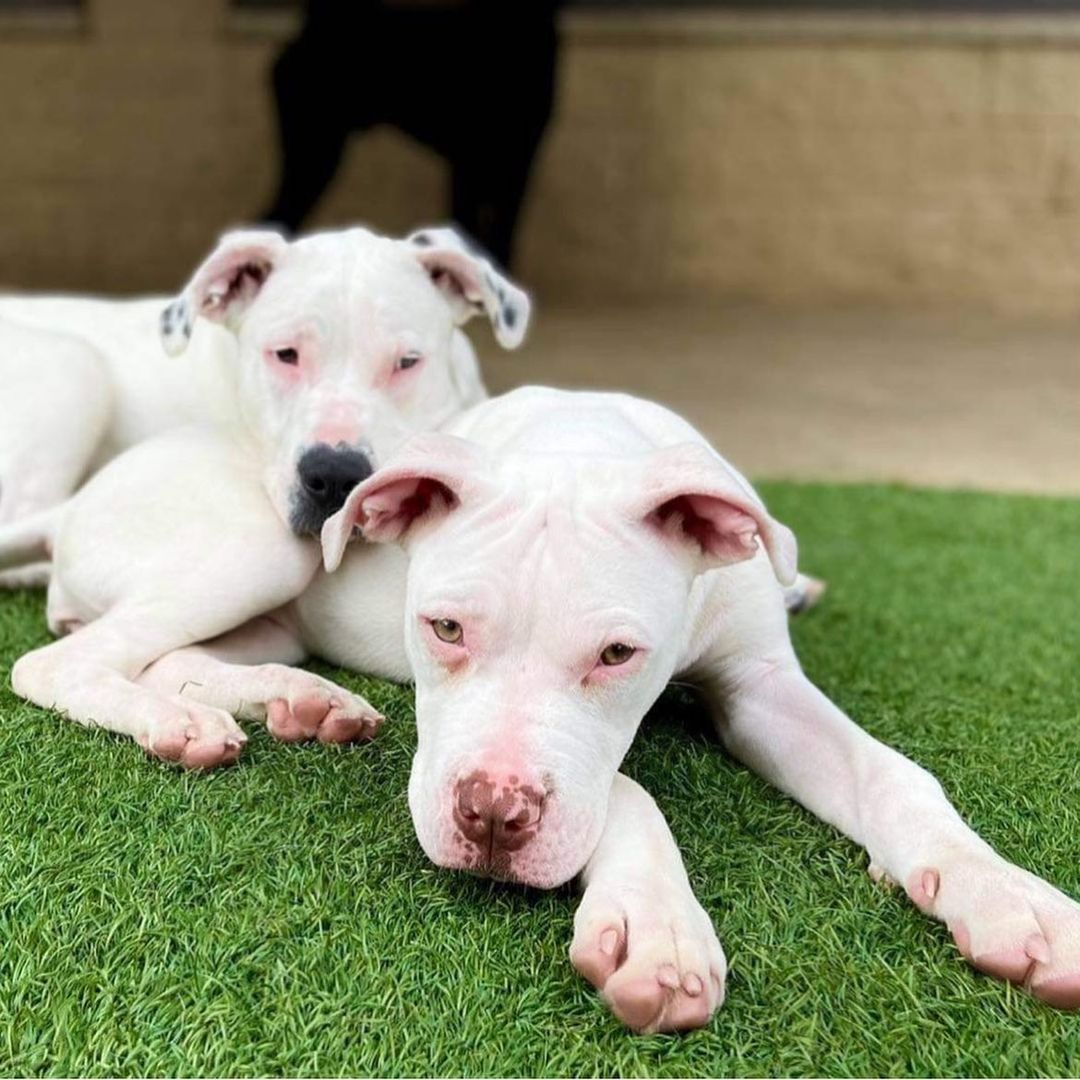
(352,275)
(554,556)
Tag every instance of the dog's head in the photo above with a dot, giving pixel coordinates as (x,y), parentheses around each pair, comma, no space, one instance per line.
(347,344)
(546,609)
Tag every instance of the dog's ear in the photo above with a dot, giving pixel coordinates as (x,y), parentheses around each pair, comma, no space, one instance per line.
(693,497)
(224,286)
(430,476)
(471,284)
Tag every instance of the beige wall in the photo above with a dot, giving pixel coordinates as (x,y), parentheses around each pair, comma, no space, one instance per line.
(701,160)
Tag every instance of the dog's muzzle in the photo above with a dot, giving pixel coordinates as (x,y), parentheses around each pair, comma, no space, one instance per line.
(325,476)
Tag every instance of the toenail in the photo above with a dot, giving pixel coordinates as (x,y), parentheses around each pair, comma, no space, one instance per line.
(930,883)
(668,976)
(609,942)
(693,985)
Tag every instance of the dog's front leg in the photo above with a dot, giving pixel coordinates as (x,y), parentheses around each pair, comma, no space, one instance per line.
(1006,921)
(249,673)
(640,936)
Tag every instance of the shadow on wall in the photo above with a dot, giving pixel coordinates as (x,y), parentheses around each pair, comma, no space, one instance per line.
(912,159)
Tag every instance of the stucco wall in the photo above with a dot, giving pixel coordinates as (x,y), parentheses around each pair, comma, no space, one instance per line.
(698,159)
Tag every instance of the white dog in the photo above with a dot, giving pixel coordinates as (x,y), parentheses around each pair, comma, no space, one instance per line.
(325,353)
(560,557)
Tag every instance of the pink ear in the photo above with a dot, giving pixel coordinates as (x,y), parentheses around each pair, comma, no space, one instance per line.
(223,286)
(431,474)
(386,512)
(694,497)
(721,530)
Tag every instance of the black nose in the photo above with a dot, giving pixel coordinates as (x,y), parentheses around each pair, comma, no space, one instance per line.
(327,475)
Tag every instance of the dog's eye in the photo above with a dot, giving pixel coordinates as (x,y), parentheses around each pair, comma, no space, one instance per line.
(410,359)
(287,356)
(448,630)
(616,653)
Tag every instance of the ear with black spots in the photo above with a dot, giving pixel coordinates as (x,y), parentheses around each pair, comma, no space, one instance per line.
(472,285)
(694,499)
(224,285)
(431,474)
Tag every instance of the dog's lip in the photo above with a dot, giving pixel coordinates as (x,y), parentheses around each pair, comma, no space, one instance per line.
(504,871)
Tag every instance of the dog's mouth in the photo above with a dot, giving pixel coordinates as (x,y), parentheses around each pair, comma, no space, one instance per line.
(542,867)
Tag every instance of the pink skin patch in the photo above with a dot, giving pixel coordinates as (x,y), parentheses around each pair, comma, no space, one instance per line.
(339,424)
(180,748)
(659,1002)
(1061,993)
(495,815)
(600,962)
(315,718)
(291,373)
(922,887)
(1016,965)
(601,674)
(650,1004)
(450,654)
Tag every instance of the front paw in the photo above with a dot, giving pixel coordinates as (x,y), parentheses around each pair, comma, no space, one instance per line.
(653,954)
(330,719)
(1006,922)
(301,706)
(192,735)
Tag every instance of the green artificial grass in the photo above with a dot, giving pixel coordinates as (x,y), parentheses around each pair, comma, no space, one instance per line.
(279,917)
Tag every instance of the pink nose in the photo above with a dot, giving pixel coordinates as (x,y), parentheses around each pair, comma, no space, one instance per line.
(497,814)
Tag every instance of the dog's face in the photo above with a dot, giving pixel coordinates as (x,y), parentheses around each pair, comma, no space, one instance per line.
(546,609)
(347,344)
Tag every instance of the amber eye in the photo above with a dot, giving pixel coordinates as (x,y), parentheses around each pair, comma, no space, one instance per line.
(617,653)
(410,359)
(287,356)
(447,630)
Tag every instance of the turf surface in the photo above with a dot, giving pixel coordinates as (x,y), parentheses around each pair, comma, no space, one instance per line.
(279,917)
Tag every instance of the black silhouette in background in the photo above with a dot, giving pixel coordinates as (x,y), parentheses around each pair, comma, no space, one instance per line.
(472,79)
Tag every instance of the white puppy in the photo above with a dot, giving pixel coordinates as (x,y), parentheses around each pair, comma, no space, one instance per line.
(561,557)
(324,353)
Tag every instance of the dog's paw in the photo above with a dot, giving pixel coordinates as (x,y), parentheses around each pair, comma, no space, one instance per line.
(653,955)
(804,594)
(1006,922)
(193,735)
(303,706)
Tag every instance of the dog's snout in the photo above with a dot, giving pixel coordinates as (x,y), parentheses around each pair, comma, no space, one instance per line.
(497,814)
(327,475)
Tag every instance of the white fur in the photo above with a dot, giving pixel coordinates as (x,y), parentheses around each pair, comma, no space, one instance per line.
(85,378)
(543,523)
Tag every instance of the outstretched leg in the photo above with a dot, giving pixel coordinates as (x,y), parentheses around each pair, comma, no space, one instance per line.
(143,569)
(640,936)
(1005,921)
(89,675)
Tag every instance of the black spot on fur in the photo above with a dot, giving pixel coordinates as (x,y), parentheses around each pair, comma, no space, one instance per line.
(422,240)
(168,319)
(509,315)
